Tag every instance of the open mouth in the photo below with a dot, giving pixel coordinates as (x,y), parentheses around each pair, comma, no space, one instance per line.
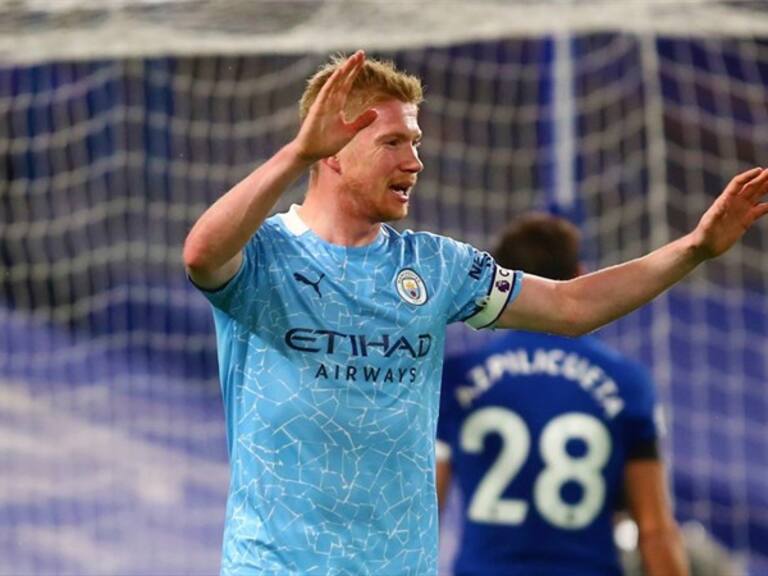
(402,190)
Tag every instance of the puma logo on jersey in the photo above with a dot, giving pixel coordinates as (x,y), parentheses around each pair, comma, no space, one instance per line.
(304,280)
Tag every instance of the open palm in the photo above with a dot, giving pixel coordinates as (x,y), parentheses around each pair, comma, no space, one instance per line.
(734,211)
(325,130)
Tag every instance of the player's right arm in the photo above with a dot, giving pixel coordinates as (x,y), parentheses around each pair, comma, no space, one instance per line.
(661,546)
(213,248)
(443,473)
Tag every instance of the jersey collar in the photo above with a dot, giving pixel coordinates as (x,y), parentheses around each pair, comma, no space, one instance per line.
(293,221)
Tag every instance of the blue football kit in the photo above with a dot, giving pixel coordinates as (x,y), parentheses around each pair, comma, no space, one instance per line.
(538,429)
(330,362)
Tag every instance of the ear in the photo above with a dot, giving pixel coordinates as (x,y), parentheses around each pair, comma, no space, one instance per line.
(333,163)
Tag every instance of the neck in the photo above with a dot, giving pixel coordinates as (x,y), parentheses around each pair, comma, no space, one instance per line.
(328,216)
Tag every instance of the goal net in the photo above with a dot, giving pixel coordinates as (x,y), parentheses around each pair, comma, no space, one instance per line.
(121,121)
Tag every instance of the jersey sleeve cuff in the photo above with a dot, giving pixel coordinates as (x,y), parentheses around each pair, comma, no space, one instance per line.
(644,450)
(504,288)
(220,295)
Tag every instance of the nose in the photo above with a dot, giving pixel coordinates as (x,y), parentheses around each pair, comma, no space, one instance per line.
(413,163)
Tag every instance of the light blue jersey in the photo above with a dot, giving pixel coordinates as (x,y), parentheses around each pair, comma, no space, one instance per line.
(330,364)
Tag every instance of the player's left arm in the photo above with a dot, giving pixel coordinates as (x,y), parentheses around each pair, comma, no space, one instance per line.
(641,425)
(661,545)
(578,306)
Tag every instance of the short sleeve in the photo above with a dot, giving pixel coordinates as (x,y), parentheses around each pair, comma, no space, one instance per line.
(480,289)
(640,419)
(235,298)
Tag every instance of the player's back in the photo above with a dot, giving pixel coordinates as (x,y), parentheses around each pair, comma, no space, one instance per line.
(539,429)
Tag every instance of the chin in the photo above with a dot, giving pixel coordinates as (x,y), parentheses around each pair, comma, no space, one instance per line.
(394,215)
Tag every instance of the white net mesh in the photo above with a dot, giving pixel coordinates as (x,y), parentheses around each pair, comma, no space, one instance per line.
(120,122)
(42,30)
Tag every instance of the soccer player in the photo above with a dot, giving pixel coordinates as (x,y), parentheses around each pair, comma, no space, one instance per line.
(545,434)
(330,327)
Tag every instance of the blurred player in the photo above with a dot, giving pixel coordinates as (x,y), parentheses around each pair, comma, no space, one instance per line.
(542,434)
(330,327)
(706,556)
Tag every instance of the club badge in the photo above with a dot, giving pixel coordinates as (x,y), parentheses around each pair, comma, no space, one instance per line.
(411,287)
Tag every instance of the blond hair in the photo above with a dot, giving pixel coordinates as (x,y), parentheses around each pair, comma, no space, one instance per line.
(378,80)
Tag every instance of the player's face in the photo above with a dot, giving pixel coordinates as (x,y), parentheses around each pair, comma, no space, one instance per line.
(380,165)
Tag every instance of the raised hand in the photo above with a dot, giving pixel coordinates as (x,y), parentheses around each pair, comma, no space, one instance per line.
(325,130)
(734,211)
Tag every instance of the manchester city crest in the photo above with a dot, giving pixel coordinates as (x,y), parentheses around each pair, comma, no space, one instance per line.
(411,287)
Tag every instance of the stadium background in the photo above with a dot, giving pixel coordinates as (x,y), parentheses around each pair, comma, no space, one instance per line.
(114,140)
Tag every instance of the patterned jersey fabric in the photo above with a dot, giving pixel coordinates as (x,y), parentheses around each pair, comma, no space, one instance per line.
(330,363)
